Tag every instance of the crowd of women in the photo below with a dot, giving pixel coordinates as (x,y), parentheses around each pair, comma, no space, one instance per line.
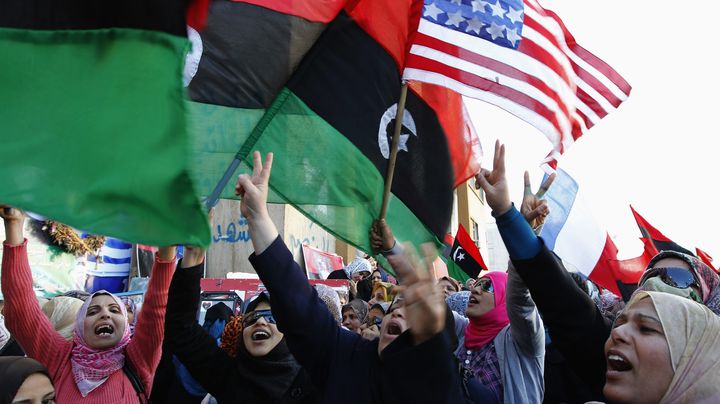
(534,333)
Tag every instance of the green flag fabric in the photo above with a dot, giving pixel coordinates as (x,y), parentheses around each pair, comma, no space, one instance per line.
(94,132)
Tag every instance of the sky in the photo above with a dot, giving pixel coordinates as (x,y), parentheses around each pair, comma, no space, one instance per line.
(659,150)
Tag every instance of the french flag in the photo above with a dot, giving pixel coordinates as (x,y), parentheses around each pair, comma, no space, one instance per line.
(584,245)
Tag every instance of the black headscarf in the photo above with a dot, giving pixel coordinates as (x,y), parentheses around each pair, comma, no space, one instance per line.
(13,372)
(273,373)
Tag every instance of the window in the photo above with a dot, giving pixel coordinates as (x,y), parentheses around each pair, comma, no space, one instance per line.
(475,232)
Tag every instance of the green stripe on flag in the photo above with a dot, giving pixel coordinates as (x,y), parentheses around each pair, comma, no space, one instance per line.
(94,133)
(322,174)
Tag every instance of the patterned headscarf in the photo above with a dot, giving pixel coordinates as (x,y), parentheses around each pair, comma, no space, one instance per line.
(331,299)
(358,265)
(458,302)
(91,367)
(709,280)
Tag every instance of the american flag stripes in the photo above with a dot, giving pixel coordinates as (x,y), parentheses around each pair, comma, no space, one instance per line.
(549,81)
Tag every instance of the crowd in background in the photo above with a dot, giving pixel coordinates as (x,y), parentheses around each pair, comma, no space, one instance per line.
(533,333)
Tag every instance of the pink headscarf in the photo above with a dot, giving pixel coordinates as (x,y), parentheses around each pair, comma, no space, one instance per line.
(485,328)
(90,366)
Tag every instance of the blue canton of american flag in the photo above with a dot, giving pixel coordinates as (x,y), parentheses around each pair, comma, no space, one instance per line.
(498,21)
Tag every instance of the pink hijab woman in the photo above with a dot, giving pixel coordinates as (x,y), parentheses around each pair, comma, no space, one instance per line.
(89,368)
(93,364)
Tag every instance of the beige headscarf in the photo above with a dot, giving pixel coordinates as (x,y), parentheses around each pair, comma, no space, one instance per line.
(61,311)
(693,335)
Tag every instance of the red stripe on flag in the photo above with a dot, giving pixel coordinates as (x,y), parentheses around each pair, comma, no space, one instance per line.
(552,50)
(647,229)
(487,85)
(603,273)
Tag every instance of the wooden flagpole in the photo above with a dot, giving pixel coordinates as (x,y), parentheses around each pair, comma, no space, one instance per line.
(394,150)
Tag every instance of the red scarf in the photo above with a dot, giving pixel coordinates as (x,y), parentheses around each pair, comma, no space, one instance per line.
(485,328)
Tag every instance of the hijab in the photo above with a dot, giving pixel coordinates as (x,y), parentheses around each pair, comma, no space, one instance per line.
(360,307)
(709,280)
(91,367)
(485,328)
(692,332)
(458,302)
(13,372)
(331,299)
(128,301)
(386,289)
(61,311)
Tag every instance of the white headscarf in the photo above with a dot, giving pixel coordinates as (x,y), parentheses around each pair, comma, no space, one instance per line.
(692,332)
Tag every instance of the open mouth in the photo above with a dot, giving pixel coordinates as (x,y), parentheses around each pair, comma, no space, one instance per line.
(472,300)
(104,330)
(617,362)
(260,335)
(394,329)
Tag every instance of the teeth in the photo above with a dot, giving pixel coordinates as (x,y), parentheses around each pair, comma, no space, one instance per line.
(616,358)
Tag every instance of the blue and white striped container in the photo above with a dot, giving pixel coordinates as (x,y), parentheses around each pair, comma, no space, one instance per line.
(109,271)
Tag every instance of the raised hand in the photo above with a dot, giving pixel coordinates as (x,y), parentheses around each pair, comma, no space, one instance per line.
(533,207)
(494,183)
(424,302)
(14,219)
(254,189)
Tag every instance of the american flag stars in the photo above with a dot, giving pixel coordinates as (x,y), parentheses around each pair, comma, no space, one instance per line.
(495,20)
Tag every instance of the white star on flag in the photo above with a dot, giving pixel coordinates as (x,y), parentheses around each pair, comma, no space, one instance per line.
(513,36)
(515,16)
(460,256)
(497,9)
(455,19)
(475,25)
(432,11)
(458,2)
(479,5)
(496,31)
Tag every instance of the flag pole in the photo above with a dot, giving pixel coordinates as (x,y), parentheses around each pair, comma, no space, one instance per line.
(394,150)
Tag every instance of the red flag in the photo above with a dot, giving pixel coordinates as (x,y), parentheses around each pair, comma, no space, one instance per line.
(466,254)
(316,10)
(659,240)
(319,264)
(549,81)
(706,258)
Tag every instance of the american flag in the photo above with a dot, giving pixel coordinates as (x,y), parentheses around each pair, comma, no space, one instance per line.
(549,80)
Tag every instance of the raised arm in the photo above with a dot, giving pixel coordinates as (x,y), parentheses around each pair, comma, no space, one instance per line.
(23,316)
(310,330)
(185,338)
(576,325)
(525,322)
(144,349)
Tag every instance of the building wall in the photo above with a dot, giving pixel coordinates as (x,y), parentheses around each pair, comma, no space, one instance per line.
(473,214)
(231,244)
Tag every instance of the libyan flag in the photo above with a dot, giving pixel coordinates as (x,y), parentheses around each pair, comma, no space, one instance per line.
(93,119)
(330,127)
(464,261)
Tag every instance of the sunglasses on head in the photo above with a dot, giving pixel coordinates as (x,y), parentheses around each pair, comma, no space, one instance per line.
(254,316)
(680,278)
(485,285)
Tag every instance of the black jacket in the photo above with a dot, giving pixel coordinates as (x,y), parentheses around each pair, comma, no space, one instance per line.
(225,378)
(345,367)
(576,325)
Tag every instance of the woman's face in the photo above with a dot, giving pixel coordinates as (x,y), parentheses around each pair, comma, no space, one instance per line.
(104,323)
(393,324)
(480,302)
(262,337)
(131,315)
(639,369)
(447,287)
(36,389)
(350,320)
(376,277)
(379,296)
(677,263)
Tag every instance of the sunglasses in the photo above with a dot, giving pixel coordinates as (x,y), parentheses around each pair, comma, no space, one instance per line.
(253,317)
(680,278)
(485,285)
